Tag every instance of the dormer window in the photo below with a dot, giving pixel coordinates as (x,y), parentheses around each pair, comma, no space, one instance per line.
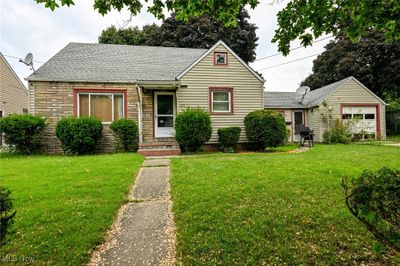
(220,58)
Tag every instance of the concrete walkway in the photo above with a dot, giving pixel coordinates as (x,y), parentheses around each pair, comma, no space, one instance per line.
(144,234)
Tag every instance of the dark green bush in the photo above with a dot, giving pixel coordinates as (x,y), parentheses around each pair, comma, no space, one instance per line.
(229,138)
(23,132)
(79,135)
(193,128)
(7,214)
(338,134)
(374,199)
(126,134)
(265,128)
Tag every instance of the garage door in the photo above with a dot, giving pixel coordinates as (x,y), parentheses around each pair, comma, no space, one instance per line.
(361,119)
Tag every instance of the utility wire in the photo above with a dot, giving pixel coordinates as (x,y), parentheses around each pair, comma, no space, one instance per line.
(288,62)
(298,47)
(16,57)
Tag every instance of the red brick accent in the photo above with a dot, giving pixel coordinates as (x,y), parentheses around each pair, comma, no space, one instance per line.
(163,152)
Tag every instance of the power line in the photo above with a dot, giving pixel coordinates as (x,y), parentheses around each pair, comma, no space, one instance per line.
(19,58)
(288,62)
(298,47)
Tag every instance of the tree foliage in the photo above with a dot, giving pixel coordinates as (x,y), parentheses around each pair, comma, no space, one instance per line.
(304,19)
(7,213)
(132,35)
(374,199)
(196,32)
(372,61)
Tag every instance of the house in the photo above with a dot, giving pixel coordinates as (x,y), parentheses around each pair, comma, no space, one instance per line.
(147,84)
(346,100)
(13,93)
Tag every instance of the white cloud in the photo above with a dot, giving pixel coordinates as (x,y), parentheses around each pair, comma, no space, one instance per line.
(28,27)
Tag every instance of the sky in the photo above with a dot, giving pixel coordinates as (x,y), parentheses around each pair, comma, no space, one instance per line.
(26,26)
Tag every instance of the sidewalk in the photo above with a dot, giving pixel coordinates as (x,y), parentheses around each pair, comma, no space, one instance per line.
(144,233)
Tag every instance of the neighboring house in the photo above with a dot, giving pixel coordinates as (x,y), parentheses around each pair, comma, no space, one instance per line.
(13,93)
(346,100)
(147,84)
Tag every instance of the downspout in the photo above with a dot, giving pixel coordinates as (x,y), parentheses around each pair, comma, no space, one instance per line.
(139,108)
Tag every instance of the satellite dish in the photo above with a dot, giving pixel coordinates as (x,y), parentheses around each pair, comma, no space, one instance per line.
(303,90)
(28,61)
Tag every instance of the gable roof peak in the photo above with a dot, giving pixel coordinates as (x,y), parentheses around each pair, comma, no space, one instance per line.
(221,42)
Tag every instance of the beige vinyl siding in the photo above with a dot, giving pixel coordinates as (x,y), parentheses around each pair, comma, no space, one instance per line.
(353,92)
(13,95)
(247,90)
(314,122)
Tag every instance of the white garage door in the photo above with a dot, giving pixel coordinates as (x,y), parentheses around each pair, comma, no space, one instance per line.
(361,119)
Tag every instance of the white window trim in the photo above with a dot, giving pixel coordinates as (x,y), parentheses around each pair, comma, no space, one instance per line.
(229,101)
(102,94)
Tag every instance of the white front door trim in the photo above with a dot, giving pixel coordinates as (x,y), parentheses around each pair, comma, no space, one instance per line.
(163,132)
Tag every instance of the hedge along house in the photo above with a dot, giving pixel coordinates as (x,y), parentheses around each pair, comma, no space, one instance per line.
(147,84)
(346,100)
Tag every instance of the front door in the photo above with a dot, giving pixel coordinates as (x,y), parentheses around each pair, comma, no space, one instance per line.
(164,114)
(298,121)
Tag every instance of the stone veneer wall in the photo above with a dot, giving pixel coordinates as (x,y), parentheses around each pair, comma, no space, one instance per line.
(55,100)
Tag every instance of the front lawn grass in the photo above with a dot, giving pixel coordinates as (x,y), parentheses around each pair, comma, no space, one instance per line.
(64,204)
(275,209)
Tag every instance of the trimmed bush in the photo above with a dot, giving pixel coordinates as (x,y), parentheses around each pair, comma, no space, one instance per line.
(265,128)
(126,134)
(193,128)
(7,214)
(229,138)
(374,199)
(79,135)
(338,134)
(23,132)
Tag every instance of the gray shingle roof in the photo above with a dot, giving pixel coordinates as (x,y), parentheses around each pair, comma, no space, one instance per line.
(292,99)
(116,63)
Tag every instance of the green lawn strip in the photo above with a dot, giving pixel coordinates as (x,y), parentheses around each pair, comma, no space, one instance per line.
(274,208)
(64,204)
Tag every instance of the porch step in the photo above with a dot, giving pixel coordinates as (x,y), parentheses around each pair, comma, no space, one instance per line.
(159,149)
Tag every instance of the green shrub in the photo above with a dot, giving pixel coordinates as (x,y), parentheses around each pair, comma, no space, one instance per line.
(7,214)
(229,138)
(265,128)
(338,134)
(374,199)
(126,134)
(23,132)
(79,135)
(193,128)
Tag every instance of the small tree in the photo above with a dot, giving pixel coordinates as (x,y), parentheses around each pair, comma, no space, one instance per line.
(265,128)
(374,199)
(340,133)
(126,133)
(7,214)
(23,132)
(193,128)
(79,135)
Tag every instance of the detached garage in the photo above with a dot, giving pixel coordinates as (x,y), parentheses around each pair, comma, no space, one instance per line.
(347,100)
